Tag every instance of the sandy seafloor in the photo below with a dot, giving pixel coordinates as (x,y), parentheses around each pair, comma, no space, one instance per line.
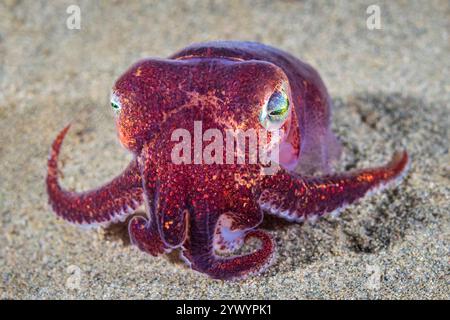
(390,88)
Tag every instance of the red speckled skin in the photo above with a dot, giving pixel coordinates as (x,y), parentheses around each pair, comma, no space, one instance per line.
(206,209)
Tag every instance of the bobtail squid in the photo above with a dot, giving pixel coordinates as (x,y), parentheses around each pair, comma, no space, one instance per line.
(208,209)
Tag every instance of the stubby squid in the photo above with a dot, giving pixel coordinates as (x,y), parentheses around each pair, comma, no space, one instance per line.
(209,210)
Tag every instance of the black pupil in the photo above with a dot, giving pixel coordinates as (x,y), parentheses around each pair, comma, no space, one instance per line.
(277,112)
(115,106)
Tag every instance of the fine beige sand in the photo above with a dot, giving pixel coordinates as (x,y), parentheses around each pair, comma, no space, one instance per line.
(390,88)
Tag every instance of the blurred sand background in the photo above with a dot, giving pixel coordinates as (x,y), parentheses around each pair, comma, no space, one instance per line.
(390,88)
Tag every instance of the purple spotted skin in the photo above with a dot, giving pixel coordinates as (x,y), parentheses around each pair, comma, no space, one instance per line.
(207,211)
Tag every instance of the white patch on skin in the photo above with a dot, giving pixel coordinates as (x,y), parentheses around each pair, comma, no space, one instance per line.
(227,240)
(231,236)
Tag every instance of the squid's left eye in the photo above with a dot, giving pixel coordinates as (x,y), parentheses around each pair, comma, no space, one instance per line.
(275,111)
(115,106)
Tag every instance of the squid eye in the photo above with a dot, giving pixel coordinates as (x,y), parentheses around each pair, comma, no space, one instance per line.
(275,111)
(115,105)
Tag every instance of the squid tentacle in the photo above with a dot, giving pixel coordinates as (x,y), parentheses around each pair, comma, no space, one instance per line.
(145,235)
(297,198)
(164,199)
(198,251)
(112,202)
(145,232)
(172,218)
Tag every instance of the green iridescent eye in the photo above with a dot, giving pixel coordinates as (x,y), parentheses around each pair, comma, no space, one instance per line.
(278,106)
(115,104)
(275,111)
